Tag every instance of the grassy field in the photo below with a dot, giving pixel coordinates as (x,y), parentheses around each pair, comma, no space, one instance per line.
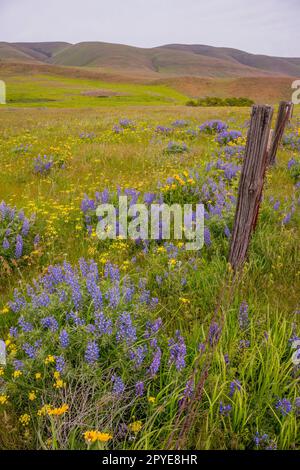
(125,380)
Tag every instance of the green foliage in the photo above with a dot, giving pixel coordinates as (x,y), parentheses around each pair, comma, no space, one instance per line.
(211,101)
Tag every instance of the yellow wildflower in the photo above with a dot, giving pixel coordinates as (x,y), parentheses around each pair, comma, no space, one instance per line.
(32,396)
(58,411)
(17,373)
(38,375)
(3,399)
(49,359)
(184,301)
(93,436)
(24,419)
(59,383)
(136,426)
(44,410)
(1,371)
(151,399)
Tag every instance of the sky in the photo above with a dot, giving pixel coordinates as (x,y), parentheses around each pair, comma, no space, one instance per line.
(259,26)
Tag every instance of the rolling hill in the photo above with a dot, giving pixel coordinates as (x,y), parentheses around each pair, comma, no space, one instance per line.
(165,61)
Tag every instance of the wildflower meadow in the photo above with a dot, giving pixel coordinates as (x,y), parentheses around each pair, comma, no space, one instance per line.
(124,344)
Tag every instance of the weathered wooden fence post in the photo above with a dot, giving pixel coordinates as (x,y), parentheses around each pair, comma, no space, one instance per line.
(285,112)
(251,183)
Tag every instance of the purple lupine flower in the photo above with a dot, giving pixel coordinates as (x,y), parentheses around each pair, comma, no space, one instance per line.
(92,352)
(177,350)
(18,365)
(76,318)
(19,246)
(227,232)
(25,325)
(139,389)
(25,227)
(235,385)
(50,323)
(5,244)
(113,295)
(207,239)
(138,355)
(94,291)
(36,240)
(213,126)
(30,350)
(189,389)
(64,339)
(226,359)
(214,333)
(72,280)
(224,409)
(276,205)
(287,218)
(103,324)
(13,332)
(264,442)
(126,330)
(152,328)
(118,387)
(244,343)
(284,406)
(243,315)
(60,364)
(154,366)
(18,303)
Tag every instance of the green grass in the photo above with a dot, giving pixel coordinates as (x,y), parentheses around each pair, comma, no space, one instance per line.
(60,92)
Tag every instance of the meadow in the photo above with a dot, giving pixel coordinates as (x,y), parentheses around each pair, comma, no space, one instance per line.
(107,340)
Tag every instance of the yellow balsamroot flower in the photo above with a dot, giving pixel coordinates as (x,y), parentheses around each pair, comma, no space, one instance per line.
(17,373)
(136,426)
(44,410)
(172,262)
(94,436)
(3,399)
(32,396)
(4,310)
(184,301)
(151,399)
(38,375)
(24,419)
(59,384)
(49,359)
(56,375)
(58,411)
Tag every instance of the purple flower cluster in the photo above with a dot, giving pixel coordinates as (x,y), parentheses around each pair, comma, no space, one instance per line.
(16,237)
(42,165)
(284,406)
(177,349)
(224,137)
(214,126)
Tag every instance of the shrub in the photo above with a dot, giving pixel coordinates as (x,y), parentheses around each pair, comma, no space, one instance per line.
(215,101)
(176,147)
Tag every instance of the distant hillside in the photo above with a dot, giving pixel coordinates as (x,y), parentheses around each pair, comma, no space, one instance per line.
(169,60)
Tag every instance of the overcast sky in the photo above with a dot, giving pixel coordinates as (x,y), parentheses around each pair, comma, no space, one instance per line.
(259,26)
